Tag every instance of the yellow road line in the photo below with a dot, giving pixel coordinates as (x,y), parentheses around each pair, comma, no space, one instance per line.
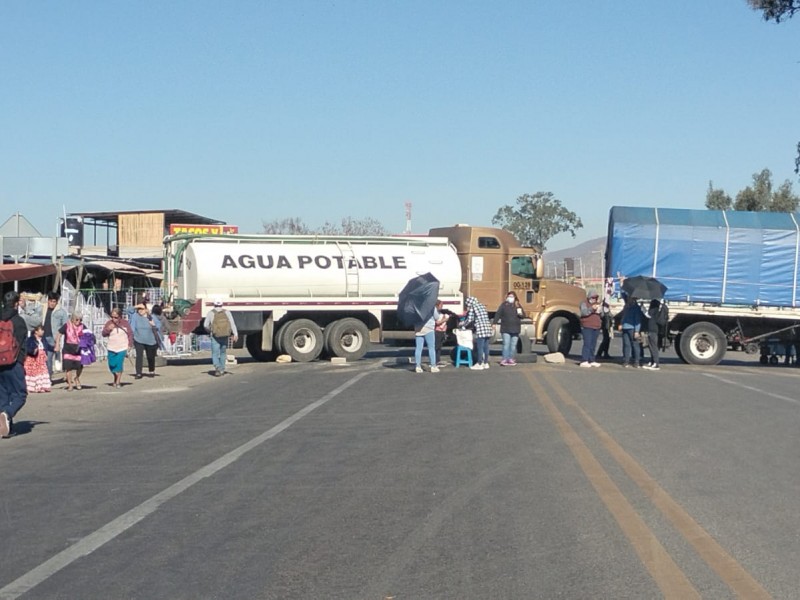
(727,568)
(672,582)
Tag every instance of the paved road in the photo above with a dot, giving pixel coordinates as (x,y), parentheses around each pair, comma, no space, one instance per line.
(370,481)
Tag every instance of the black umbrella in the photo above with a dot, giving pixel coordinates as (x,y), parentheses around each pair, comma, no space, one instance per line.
(417,300)
(641,286)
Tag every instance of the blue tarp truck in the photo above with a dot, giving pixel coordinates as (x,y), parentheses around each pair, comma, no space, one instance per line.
(731,276)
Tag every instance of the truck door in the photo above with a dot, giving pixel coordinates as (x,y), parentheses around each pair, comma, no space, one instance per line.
(521,277)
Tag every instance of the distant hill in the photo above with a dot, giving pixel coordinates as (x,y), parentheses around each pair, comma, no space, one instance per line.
(587,256)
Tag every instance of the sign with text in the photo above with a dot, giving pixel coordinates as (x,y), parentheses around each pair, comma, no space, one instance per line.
(176,228)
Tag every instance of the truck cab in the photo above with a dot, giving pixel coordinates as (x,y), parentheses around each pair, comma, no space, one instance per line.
(493,262)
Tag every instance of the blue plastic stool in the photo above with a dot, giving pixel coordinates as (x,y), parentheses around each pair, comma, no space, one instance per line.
(463,356)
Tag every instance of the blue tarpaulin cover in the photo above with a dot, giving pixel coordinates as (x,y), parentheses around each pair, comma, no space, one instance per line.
(713,256)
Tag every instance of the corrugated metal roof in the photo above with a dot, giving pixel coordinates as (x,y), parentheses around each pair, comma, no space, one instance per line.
(171,215)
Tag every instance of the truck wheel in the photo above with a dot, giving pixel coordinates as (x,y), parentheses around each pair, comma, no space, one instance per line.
(301,339)
(703,344)
(677,346)
(347,338)
(559,335)
(253,343)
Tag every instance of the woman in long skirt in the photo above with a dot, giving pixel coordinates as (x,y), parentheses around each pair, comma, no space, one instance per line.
(37,377)
(71,351)
(120,340)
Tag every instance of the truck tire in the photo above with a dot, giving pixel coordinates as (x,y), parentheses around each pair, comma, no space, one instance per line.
(677,346)
(703,344)
(347,338)
(253,344)
(559,335)
(301,339)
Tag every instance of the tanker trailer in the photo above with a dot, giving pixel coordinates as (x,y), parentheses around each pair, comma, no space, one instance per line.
(304,295)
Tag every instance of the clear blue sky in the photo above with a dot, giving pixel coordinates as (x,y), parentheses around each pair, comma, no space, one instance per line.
(252,111)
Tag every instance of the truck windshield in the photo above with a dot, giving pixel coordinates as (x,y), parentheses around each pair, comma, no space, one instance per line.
(522,266)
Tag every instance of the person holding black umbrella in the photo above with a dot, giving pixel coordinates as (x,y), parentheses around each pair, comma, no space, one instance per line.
(652,334)
(630,326)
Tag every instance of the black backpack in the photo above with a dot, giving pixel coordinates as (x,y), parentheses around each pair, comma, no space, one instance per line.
(662,318)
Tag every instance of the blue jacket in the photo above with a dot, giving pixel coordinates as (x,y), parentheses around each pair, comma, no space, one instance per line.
(142,329)
(632,317)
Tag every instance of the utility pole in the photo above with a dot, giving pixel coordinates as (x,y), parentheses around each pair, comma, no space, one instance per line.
(408,218)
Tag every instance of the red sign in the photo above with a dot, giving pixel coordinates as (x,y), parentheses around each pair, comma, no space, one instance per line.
(203,229)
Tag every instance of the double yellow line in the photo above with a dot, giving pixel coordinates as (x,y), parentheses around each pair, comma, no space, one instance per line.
(670,579)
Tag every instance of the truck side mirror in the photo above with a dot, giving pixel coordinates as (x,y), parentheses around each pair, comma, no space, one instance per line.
(539,268)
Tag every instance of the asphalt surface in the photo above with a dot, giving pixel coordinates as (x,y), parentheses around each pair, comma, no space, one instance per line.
(370,481)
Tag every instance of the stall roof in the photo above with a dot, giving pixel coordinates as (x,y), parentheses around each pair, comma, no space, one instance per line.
(171,215)
(23,271)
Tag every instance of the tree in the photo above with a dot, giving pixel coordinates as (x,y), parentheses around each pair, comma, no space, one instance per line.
(784,200)
(292,225)
(756,197)
(717,199)
(776,9)
(349,226)
(536,219)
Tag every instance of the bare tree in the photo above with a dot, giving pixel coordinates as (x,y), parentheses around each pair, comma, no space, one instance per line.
(292,226)
(349,226)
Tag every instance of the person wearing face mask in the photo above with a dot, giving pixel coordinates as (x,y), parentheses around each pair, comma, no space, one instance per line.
(509,315)
(590,328)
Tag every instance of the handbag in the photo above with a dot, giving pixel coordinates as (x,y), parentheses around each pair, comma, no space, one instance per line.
(464,337)
(73,349)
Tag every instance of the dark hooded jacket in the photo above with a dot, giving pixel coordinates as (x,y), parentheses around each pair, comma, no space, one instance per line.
(20,330)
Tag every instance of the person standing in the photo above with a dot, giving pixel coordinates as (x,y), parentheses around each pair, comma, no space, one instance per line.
(590,328)
(477,317)
(440,331)
(220,324)
(13,391)
(425,334)
(145,339)
(652,334)
(53,318)
(29,310)
(71,350)
(509,315)
(630,325)
(37,377)
(120,340)
(606,328)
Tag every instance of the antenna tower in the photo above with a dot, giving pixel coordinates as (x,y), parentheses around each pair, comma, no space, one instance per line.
(408,218)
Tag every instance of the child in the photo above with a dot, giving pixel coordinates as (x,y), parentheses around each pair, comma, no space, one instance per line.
(37,377)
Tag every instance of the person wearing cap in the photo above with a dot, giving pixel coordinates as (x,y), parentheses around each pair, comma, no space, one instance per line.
(13,391)
(220,325)
(590,328)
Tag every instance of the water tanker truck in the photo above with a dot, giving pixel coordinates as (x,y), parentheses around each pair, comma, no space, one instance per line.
(305,295)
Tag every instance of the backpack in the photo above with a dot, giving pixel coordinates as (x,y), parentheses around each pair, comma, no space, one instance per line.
(220,326)
(662,317)
(9,346)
